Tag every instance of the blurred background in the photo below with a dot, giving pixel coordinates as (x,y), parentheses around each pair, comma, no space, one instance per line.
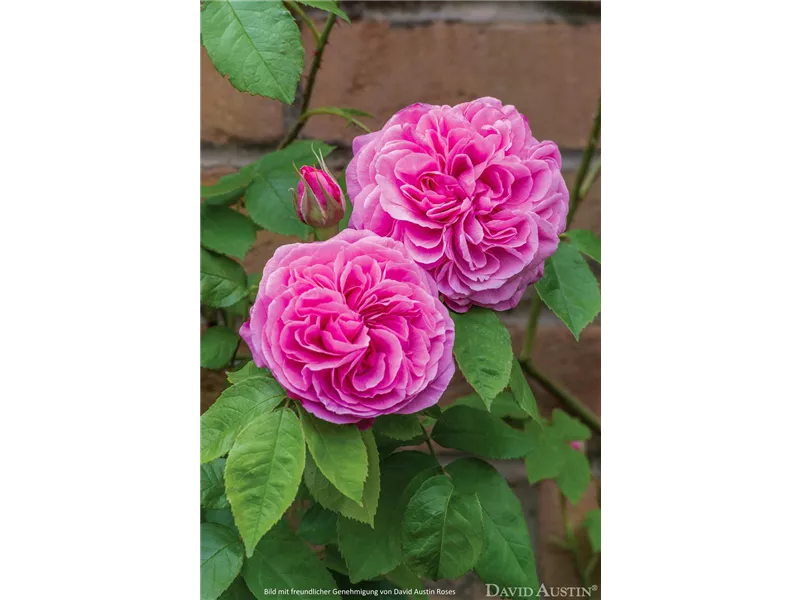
(542,57)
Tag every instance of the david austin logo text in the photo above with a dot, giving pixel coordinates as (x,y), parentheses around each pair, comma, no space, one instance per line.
(493,590)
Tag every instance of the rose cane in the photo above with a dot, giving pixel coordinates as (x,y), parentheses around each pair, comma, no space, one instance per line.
(318,200)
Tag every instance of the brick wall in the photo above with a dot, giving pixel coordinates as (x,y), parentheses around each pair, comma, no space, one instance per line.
(543,57)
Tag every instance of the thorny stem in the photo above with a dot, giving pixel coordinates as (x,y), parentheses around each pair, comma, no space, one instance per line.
(575,196)
(572,405)
(312,77)
(572,543)
(530,331)
(583,182)
(430,447)
(591,175)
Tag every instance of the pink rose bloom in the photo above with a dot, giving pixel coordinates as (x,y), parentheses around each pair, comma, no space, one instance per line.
(352,327)
(476,200)
(577,445)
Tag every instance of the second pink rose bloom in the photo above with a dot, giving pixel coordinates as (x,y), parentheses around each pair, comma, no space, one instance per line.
(476,200)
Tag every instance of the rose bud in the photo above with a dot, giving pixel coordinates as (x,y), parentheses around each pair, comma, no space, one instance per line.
(318,198)
(577,445)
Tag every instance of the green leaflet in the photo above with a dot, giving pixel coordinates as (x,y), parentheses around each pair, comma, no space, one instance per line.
(222,280)
(226,231)
(387,445)
(479,432)
(442,533)
(237,591)
(212,485)
(547,455)
(507,559)
(552,457)
(569,288)
(324,492)
(370,552)
(228,189)
(334,560)
(483,351)
(235,408)
(217,345)
(521,392)
(268,199)
(318,526)
(403,577)
(263,472)
(256,44)
(569,428)
(220,559)
(339,453)
(221,516)
(397,427)
(328,5)
(586,241)
(503,406)
(574,476)
(282,560)
(247,371)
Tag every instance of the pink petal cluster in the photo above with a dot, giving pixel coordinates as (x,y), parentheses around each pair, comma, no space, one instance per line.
(352,328)
(472,195)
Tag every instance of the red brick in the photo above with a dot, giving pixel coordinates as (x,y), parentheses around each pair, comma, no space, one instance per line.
(556,565)
(228,115)
(550,71)
(211,385)
(573,365)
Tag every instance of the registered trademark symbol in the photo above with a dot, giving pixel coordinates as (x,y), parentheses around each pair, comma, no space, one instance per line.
(594,588)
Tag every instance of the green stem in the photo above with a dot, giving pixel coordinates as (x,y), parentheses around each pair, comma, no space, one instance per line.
(586,176)
(233,358)
(589,569)
(430,447)
(332,111)
(588,152)
(312,78)
(572,405)
(583,182)
(572,543)
(594,171)
(325,233)
(293,6)
(530,331)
